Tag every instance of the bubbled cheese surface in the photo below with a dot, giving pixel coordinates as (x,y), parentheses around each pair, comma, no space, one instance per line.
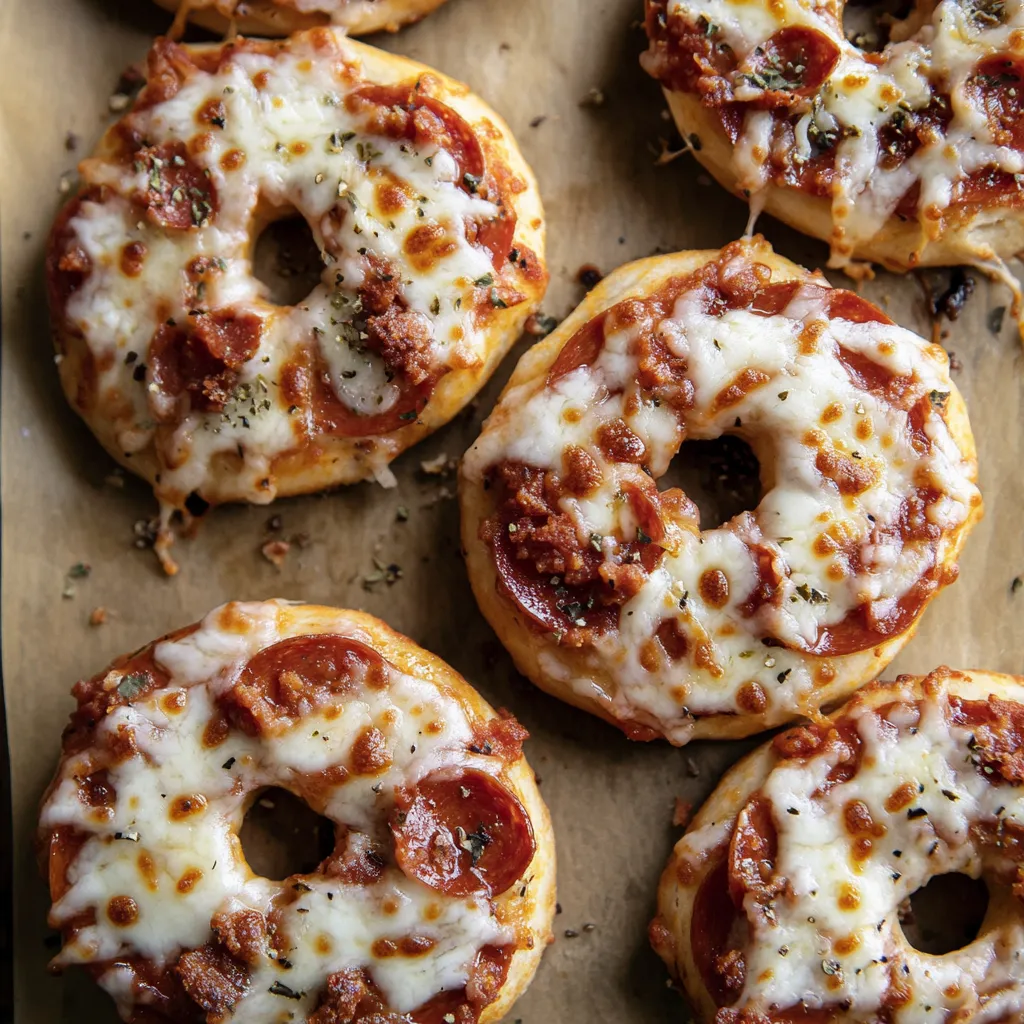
(807,402)
(832,937)
(863,95)
(284,141)
(144,851)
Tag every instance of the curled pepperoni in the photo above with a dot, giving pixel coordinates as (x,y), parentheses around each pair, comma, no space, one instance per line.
(293,677)
(997,87)
(752,852)
(176,192)
(461,832)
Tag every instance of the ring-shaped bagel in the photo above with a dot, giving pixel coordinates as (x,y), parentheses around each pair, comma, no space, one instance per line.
(911,156)
(605,589)
(430,228)
(436,902)
(782,901)
(282,17)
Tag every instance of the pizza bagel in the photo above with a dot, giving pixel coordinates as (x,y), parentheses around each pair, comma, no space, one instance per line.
(430,230)
(784,900)
(435,903)
(907,154)
(604,587)
(282,17)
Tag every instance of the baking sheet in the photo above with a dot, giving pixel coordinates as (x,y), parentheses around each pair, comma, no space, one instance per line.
(607,202)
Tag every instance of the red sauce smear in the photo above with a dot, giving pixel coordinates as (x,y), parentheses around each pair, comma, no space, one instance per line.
(462,832)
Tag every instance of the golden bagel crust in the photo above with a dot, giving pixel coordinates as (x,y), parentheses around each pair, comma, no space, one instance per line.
(897,125)
(281,17)
(750,793)
(252,400)
(668,690)
(191,667)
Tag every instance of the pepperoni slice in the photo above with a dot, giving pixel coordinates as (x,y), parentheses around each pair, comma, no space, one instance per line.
(997,87)
(462,832)
(845,305)
(858,631)
(294,676)
(65,842)
(792,65)
(408,113)
(486,978)
(771,301)
(580,350)
(540,599)
(998,744)
(713,916)
(752,851)
(306,384)
(176,193)
(203,359)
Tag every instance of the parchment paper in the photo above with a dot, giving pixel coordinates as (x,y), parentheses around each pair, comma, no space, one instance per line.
(611,800)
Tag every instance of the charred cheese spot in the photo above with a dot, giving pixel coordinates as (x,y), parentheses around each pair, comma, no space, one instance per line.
(714,587)
(122,911)
(190,806)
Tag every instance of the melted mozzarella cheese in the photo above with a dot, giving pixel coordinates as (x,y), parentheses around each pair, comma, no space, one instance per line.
(302,152)
(142,851)
(802,520)
(861,96)
(833,936)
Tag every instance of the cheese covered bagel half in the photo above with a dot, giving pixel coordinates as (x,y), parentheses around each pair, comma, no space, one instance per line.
(430,230)
(282,17)
(603,585)
(435,903)
(783,900)
(908,155)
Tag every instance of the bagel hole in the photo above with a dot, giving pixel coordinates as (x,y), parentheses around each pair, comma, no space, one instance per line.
(868,24)
(282,835)
(946,914)
(722,477)
(286,260)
